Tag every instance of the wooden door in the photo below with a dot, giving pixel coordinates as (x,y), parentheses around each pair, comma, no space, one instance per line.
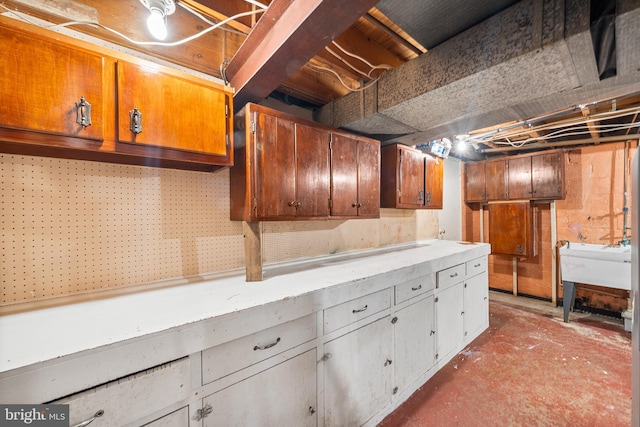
(474,182)
(519,178)
(547,175)
(511,229)
(40,83)
(275,167)
(434,180)
(176,113)
(414,342)
(496,180)
(411,194)
(312,171)
(368,179)
(344,176)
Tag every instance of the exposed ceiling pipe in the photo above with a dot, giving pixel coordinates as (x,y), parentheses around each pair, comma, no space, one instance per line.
(535,145)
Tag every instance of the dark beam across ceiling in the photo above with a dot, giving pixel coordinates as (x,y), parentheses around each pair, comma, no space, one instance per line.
(284,39)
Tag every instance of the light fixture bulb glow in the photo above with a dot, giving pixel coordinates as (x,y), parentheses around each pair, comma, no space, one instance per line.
(157,25)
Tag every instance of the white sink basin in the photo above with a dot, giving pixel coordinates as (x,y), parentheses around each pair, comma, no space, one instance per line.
(608,266)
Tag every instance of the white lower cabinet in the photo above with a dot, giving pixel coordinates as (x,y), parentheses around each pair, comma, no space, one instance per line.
(127,400)
(358,374)
(476,305)
(449,306)
(414,336)
(179,418)
(283,395)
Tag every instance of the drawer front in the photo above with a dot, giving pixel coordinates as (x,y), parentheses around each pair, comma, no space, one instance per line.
(131,398)
(343,314)
(225,359)
(179,418)
(476,266)
(451,276)
(415,287)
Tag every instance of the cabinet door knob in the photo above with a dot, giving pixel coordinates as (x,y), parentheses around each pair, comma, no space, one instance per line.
(311,410)
(292,203)
(394,320)
(387,362)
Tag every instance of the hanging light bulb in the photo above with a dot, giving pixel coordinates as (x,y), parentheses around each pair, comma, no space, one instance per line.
(157,21)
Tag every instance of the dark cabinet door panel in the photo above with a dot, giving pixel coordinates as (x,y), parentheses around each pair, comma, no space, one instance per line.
(312,171)
(474,185)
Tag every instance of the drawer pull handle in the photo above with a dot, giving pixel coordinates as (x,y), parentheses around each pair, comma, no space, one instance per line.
(90,420)
(264,347)
(477,265)
(417,289)
(359,310)
(453,275)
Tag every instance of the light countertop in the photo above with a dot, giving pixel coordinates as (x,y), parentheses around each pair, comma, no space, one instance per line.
(41,335)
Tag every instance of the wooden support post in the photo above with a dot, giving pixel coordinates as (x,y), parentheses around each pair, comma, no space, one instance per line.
(252,250)
(515,276)
(554,255)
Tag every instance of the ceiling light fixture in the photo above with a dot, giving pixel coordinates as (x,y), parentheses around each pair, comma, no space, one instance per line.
(157,21)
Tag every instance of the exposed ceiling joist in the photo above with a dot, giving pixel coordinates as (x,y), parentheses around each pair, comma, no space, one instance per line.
(284,39)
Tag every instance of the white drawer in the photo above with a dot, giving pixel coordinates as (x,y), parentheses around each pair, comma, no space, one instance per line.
(343,314)
(131,398)
(225,359)
(179,418)
(450,276)
(476,266)
(415,287)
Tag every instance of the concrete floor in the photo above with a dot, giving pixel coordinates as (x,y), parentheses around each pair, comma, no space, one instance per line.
(530,369)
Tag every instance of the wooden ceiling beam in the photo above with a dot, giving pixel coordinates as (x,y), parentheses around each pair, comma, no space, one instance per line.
(287,36)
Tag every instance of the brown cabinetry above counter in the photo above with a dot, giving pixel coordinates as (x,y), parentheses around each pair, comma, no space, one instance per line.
(67,98)
(410,179)
(524,177)
(287,168)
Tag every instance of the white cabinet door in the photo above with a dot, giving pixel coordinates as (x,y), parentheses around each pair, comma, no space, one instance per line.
(284,395)
(414,342)
(449,320)
(358,374)
(476,305)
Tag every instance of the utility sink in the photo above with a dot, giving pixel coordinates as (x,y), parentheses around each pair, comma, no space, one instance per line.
(608,266)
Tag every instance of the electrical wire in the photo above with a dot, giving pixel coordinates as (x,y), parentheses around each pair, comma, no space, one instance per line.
(204,18)
(353,55)
(330,71)
(136,42)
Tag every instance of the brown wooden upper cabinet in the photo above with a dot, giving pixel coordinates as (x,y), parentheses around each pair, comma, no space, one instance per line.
(66,98)
(523,177)
(288,168)
(50,88)
(496,182)
(355,171)
(410,179)
(177,117)
(474,182)
(536,177)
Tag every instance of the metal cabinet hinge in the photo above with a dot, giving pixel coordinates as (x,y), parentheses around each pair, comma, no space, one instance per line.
(226,111)
(253,127)
(395,390)
(326,357)
(203,413)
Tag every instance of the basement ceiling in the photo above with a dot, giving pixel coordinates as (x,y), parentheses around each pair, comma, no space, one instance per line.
(506,75)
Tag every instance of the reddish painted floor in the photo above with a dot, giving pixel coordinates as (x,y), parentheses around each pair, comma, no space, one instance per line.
(530,369)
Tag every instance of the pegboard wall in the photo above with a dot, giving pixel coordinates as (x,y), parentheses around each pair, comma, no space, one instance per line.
(71,227)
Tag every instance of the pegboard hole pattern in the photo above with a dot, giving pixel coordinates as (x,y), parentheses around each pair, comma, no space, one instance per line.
(70,227)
